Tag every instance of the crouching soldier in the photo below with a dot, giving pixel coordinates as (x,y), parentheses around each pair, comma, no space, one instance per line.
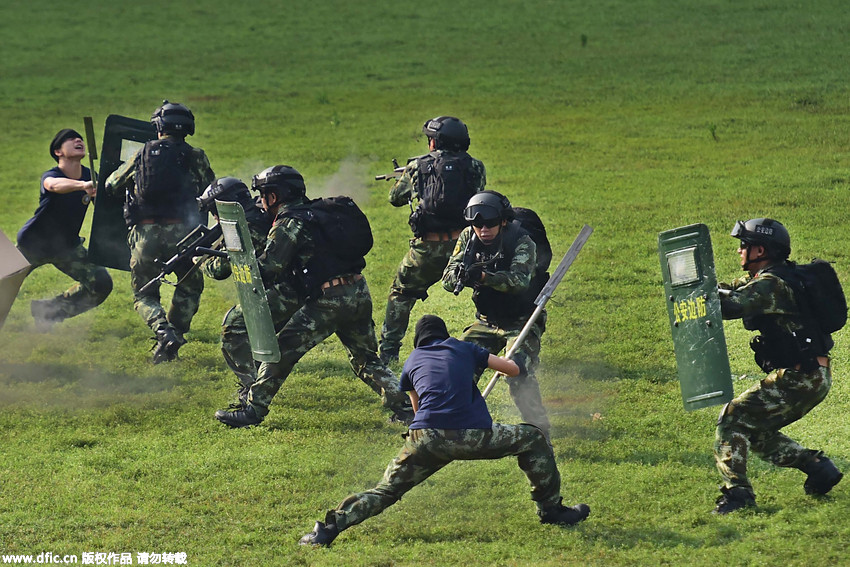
(282,298)
(498,259)
(452,423)
(323,243)
(798,376)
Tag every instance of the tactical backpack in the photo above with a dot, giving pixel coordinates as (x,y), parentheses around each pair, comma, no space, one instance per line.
(819,292)
(163,178)
(823,311)
(444,185)
(531,223)
(342,236)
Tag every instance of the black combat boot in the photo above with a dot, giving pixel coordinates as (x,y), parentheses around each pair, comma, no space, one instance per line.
(564,515)
(734,499)
(322,534)
(168,342)
(244,417)
(823,475)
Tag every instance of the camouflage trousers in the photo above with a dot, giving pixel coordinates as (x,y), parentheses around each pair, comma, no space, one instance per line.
(420,268)
(428,450)
(344,310)
(751,422)
(93,282)
(524,389)
(149,242)
(235,344)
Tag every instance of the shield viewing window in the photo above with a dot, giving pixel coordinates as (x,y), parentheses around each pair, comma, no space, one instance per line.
(683,266)
(129,149)
(232,240)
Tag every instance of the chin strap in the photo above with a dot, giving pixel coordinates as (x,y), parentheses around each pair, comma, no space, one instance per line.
(746,266)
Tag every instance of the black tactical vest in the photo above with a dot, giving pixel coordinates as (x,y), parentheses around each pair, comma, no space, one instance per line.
(445,183)
(164,185)
(497,306)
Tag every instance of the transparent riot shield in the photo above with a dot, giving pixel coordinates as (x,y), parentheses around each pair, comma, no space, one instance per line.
(249,284)
(693,306)
(122,137)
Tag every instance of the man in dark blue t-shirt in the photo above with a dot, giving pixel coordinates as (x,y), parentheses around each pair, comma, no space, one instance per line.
(452,423)
(52,235)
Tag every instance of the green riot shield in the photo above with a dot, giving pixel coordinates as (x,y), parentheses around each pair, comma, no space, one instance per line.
(122,138)
(693,305)
(249,284)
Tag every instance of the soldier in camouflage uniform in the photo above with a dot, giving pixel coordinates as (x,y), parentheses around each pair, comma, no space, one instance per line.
(283,299)
(798,377)
(340,305)
(156,226)
(52,235)
(497,258)
(435,227)
(452,423)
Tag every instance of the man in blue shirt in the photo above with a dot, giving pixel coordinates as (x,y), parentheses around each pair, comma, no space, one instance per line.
(452,423)
(52,235)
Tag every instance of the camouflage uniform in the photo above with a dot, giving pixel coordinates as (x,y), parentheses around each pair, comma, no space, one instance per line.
(344,310)
(426,451)
(151,239)
(494,333)
(752,420)
(423,264)
(92,288)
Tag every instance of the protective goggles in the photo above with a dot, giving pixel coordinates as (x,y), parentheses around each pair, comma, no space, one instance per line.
(481,222)
(740,231)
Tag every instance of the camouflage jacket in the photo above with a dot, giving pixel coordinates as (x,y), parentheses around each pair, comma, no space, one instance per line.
(199,167)
(511,279)
(764,294)
(289,244)
(404,190)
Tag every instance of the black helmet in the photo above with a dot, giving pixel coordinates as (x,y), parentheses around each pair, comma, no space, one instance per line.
(283,180)
(488,205)
(448,132)
(228,189)
(765,232)
(173,118)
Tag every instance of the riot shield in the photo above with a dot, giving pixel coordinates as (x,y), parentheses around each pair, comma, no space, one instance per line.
(693,306)
(249,284)
(13,269)
(122,137)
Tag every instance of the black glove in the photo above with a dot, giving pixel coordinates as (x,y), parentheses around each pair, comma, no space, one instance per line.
(472,275)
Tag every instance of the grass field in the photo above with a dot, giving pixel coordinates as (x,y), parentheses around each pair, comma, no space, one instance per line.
(633,117)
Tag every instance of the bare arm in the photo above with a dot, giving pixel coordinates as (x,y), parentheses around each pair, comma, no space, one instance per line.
(65,185)
(414,400)
(504,365)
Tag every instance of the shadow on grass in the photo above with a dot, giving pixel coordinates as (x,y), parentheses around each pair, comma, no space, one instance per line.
(613,537)
(55,384)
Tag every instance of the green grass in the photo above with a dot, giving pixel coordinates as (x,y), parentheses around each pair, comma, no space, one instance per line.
(634,117)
